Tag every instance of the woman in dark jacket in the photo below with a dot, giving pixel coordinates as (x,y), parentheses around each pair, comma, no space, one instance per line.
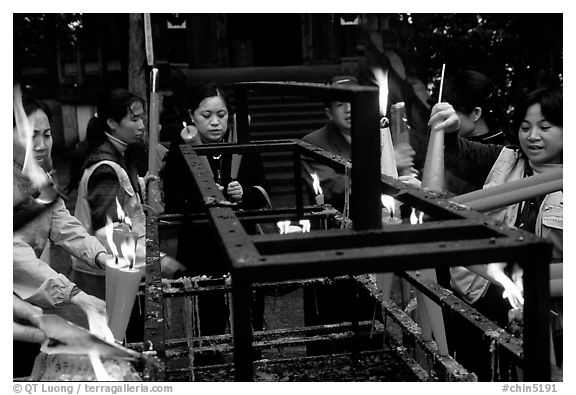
(242,181)
(241,177)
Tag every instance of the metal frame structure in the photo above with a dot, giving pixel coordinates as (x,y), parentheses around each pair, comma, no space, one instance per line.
(453,236)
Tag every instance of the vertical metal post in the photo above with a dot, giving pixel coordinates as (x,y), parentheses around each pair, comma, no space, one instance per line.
(154,335)
(241,97)
(365,204)
(536,320)
(242,329)
(296,157)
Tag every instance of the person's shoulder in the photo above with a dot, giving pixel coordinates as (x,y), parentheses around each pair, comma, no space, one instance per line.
(319,136)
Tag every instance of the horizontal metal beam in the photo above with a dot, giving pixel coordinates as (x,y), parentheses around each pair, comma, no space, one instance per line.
(253,147)
(387,258)
(400,234)
(482,325)
(324,157)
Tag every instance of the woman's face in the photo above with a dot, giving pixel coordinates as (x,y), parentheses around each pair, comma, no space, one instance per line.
(130,128)
(211,119)
(540,140)
(41,141)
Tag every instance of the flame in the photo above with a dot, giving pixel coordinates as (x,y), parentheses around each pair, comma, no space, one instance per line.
(388,203)
(109,231)
(305,224)
(283,226)
(128,248)
(316,184)
(122,217)
(382,82)
(119,211)
(25,133)
(416,217)
(517,274)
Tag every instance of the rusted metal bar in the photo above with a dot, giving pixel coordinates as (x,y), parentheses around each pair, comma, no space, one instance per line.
(278,337)
(320,155)
(176,288)
(153,305)
(387,258)
(511,345)
(450,368)
(427,232)
(242,120)
(247,148)
(168,221)
(298,191)
(536,317)
(242,329)
(365,203)
(377,366)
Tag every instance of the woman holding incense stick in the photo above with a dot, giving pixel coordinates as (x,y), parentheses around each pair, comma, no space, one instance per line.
(538,149)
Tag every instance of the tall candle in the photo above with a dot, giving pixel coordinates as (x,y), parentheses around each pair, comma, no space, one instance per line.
(121,288)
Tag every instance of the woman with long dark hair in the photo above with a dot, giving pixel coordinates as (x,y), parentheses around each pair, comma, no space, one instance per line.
(106,177)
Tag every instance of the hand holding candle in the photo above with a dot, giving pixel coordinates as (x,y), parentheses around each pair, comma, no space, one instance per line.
(433,174)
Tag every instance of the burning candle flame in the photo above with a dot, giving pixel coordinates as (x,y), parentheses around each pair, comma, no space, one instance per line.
(128,248)
(109,231)
(381,77)
(305,224)
(25,133)
(416,217)
(119,211)
(283,226)
(388,203)
(316,184)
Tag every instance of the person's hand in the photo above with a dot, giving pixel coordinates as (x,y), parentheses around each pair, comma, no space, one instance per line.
(89,303)
(25,327)
(104,259)
(511,290)
(234,191)
(410,180)
(514,295)
(170,266)
(444,117)
(404,155)
(150,177)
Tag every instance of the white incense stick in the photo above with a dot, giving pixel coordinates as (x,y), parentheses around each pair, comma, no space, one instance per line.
(441,83)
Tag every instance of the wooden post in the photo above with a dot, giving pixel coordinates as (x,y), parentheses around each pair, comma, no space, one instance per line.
(137,57)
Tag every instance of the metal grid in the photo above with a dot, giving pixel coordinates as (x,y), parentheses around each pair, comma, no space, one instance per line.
(454,235)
